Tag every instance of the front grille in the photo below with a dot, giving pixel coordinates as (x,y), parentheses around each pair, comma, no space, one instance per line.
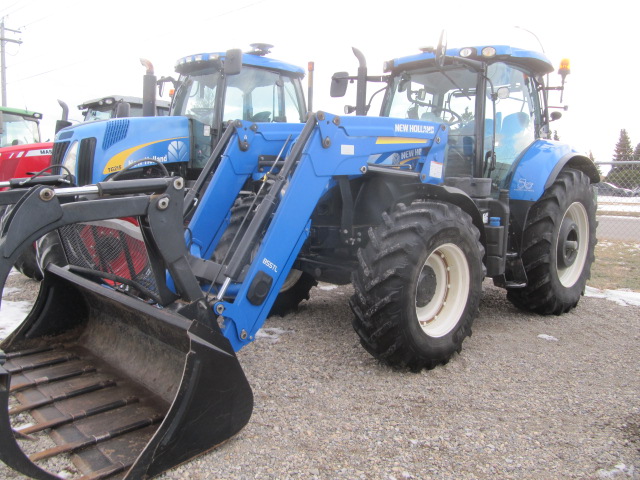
(59,149)
(86,155)
(113,246)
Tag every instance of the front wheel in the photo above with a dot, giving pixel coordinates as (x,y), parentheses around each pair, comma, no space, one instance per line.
(558,245)
(418,285)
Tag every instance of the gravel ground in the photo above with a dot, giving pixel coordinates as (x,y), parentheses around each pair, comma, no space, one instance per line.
(530,397)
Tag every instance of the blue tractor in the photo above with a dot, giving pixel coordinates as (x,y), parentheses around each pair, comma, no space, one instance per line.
(454,182)
(211,90)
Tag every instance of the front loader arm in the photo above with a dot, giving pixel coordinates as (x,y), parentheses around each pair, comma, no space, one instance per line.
(326,148)
(159,201)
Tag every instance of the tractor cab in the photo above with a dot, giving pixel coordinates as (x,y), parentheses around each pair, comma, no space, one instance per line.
(214,89)
(491,100)
(18,127)
(118,106)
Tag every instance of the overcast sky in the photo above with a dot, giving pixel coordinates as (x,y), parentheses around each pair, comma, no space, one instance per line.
(75,50)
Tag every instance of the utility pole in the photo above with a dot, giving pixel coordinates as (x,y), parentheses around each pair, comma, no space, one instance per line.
(3,65)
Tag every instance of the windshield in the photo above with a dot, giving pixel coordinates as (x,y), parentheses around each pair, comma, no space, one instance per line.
(17,130)
(92,114)
(255,94)
(443,96)
(433,95)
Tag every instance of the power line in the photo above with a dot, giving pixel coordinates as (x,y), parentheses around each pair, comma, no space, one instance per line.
(17,9)
(49,71)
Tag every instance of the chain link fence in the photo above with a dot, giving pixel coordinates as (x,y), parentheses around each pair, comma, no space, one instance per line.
(617,265)
(619,201)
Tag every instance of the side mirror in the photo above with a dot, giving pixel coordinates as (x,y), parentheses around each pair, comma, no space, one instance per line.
(123,110)
(233,62)
(405,79)
(60,124)
(555,116)
(339,84)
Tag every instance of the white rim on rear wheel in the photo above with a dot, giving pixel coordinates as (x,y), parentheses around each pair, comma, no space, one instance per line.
(578,240)
(442,290)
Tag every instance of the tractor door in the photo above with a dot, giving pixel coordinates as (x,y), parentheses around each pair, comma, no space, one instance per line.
(513,110)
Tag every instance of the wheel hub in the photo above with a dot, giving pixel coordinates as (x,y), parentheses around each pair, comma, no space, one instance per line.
(568,243)
(426,288)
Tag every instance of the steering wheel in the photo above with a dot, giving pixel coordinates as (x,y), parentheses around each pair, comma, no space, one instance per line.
(456,116)
(261,117)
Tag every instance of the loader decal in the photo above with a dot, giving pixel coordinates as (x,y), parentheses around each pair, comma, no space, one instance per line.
(413,128)
(394,140)
(119,161)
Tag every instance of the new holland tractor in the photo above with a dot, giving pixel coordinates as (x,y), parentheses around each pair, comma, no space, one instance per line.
(131,374)
(212,89)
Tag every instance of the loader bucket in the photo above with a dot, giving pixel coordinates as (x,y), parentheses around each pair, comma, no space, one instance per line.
(124,389)
(98,384)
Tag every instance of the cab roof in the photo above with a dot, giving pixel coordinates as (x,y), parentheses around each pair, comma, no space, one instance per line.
(530,60)
(113,99)
(191,61)
(22,113)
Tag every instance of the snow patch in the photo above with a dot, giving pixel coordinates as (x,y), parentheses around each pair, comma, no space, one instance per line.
(551,338)
(619,471)
(327,287)
(11,315)
(621,297)
(272,334)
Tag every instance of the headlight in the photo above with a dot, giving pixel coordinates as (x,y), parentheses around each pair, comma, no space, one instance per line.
(71,158)
(488,52)
(467,52)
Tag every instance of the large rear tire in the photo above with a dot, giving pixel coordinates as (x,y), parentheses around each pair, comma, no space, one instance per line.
(49,249)
(418,285)
(297,285)
(558,245)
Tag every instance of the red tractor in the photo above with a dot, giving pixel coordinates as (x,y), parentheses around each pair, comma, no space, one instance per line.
(21,151)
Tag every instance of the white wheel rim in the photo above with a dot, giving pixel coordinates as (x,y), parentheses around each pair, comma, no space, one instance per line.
(292,278)
(569,275)
(443,311)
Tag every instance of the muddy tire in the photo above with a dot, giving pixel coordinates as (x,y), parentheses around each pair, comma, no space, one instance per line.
(28,265)
(418,285)
(297,285)
(49,250)
(558,246)
(295,289)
